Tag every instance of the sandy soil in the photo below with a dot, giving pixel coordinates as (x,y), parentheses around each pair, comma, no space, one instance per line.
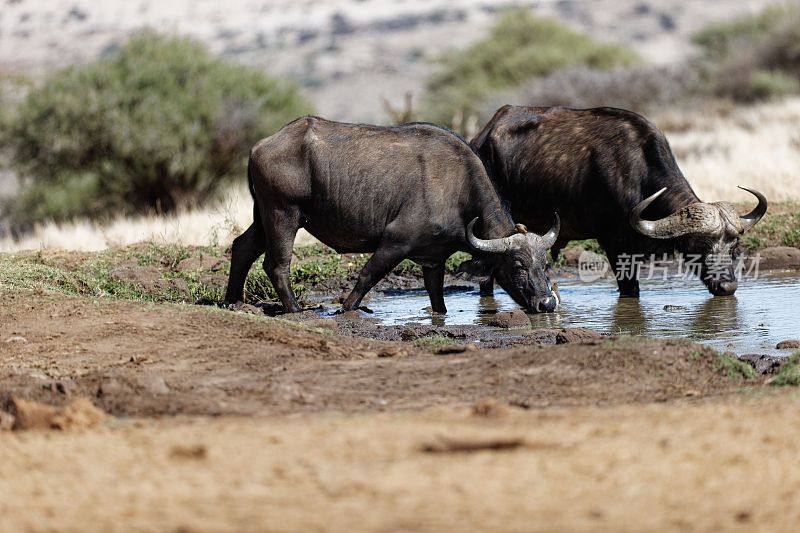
(700,467)
(227,421)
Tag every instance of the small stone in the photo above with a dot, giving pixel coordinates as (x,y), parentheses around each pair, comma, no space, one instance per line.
(153,384)
(451,348)
(510,319)
(763,364)
(791,344)
(194,451)
(581,335)
(393,351)
(16,339)
(247,308)
(201,262)
(489,408)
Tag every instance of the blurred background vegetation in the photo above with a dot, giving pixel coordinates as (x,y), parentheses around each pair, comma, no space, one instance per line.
(159,124)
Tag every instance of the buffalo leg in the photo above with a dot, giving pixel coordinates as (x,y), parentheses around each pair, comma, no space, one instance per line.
(487,286)
(280,227)
(627,273)
(434,284)
(244,252)
(385,258)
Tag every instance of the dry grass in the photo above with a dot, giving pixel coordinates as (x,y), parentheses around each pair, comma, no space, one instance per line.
(217,224)
(755,146)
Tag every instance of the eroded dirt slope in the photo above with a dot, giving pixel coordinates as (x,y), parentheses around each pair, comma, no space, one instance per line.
(140,359)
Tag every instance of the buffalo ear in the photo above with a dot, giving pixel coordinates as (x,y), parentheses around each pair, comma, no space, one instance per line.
(477,268)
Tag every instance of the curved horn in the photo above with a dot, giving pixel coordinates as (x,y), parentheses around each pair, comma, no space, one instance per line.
(549,238)
(646,227)
(492,246)
(751,219)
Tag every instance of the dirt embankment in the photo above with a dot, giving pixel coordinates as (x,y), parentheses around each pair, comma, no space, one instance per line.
(151,359)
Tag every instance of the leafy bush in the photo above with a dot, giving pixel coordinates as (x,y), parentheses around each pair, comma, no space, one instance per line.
(157,125)
(754,57)
(519,47)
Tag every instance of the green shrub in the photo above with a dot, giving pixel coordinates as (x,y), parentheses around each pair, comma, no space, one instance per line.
(754,57)
(519,47)
(157,125)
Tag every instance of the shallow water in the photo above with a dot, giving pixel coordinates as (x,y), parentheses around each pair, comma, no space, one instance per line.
(763,312)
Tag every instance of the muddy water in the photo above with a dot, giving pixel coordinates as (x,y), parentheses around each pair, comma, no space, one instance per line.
(763,312)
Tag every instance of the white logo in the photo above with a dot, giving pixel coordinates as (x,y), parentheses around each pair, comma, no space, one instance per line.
(591,266)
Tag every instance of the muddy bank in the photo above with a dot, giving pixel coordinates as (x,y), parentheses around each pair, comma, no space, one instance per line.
(154,359)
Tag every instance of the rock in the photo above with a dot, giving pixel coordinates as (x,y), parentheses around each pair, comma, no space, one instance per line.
(16,339)
(393,351)
(201,262)
(247,308)
(572,255)
(195,451)
(580,335)
(779,258)
(153,384)
(763,364)
(791,344)
(31,415)
(489,408)
(669,307)
(451,348)
(510,319)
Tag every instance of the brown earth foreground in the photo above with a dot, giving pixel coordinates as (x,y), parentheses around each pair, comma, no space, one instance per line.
(313,430)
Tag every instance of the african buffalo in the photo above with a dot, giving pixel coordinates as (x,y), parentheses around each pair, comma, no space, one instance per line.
(611,175)
(412,191)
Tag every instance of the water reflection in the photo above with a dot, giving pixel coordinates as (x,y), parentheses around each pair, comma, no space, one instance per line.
(717,316)
(762,313)
(628,317)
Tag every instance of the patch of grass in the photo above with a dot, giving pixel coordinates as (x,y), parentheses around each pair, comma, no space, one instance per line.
(432,342)
(775,229)
(455,261)
(734,368)
(789,374)
(94,273)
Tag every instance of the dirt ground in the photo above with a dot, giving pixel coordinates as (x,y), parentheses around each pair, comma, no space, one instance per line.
(707,466)
(222,420)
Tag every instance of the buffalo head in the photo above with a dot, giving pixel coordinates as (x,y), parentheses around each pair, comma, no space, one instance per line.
(710,230)
(519,263)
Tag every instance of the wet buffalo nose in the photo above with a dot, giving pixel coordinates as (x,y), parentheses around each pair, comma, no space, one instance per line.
(546,305)
(725,288)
